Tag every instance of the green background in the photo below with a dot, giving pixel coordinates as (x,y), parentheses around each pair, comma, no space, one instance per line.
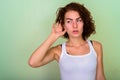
(25,24)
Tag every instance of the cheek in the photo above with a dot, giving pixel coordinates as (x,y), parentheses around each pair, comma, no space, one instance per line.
(81,29)
(81,26)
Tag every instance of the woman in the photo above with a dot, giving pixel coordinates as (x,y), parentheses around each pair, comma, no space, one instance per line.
(79,58)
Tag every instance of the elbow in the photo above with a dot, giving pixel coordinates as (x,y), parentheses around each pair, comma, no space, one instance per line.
(32,64)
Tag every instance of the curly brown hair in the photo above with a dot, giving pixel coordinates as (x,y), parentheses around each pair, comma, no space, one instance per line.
(88,28)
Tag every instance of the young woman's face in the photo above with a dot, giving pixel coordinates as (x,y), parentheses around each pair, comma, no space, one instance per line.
(73,24)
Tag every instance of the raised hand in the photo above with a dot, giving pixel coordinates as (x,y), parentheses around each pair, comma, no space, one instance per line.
(57,30)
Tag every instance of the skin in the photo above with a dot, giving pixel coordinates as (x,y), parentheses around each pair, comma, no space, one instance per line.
(75,45)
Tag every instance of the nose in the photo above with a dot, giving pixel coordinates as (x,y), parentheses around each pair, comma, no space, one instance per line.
(75,24)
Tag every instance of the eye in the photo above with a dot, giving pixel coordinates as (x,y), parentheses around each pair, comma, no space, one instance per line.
(79,20)
(68,21)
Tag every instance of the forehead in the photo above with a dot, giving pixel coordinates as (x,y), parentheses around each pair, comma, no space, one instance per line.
(72,14)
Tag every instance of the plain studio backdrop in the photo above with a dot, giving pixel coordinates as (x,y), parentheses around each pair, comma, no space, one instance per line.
(25,24)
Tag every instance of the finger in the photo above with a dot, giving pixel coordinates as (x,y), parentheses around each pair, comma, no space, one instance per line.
(53,25)
(64,32)
(57,24)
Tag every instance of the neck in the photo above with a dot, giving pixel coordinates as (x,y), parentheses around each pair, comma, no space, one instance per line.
(76,41)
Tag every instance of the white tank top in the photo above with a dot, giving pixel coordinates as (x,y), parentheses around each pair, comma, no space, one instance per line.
(81,67)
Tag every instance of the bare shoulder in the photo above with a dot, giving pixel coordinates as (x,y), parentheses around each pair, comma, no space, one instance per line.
(98,47)
(97,44)
(57,51)
(56,48)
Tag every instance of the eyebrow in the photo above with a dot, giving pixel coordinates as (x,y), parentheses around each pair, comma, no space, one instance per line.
(72,19)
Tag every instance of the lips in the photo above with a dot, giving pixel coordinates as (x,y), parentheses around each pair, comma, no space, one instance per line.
(75,31)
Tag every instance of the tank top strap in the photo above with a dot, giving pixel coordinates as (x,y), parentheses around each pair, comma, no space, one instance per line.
(91,47)
(63,49)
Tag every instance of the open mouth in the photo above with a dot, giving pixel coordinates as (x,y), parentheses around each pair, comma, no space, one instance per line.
(75,31)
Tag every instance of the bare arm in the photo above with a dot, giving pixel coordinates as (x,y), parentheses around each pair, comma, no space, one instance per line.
(100,71)
(44,54)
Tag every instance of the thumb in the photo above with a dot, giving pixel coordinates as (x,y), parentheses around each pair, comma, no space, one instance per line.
(63,32)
